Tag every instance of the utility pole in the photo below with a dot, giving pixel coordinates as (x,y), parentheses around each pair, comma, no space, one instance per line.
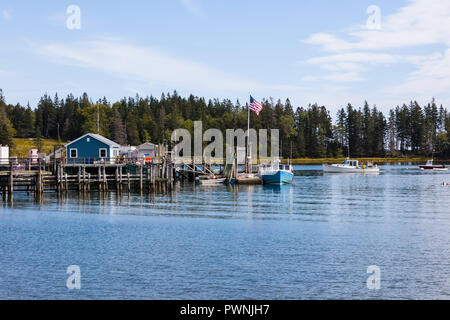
(98,119)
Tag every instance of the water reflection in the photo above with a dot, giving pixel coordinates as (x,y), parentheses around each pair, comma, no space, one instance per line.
(312,239)
(399,191)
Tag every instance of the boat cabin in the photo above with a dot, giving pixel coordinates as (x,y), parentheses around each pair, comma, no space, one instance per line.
(275,167)
(351,163)
(285,167)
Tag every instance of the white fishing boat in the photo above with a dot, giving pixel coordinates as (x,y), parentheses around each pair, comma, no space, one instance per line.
(351,166)
(431,166)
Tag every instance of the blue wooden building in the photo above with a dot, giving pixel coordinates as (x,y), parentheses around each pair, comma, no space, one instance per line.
(92,148)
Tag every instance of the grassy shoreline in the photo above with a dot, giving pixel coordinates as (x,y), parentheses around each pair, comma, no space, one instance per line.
(23,145)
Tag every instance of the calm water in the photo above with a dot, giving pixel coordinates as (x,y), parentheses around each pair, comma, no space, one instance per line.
(313,239)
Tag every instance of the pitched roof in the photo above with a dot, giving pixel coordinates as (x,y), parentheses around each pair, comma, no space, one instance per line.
(146,144)
(97,137)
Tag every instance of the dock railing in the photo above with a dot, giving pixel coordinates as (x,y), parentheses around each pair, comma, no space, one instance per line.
(60,175)
(21,164)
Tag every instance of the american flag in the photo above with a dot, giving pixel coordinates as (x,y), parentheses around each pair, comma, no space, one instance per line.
(255,105)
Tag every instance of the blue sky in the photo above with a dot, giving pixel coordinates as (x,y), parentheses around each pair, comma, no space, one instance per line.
(310,51)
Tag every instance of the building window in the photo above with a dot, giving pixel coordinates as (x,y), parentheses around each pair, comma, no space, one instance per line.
(88,140)
(74,153)
(102,153)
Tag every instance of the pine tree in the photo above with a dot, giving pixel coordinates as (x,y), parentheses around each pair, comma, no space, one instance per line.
(6,129)
(118,130)
(354,131)
(145,137)
(300,145)
(367,131)
(132,132)
(392,133)
(416,127)
(410,128)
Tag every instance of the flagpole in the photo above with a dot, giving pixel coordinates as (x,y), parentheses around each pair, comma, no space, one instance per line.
(248,136)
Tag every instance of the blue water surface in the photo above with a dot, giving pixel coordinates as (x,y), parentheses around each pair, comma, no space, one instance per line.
(313,239)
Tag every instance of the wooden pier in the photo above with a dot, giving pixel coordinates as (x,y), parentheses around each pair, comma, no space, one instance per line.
(84,178)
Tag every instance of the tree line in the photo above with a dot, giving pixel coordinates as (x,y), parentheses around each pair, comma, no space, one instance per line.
(310,131)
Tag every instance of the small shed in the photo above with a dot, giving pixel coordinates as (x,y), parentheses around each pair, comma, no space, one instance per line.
(92,148)
(147,149)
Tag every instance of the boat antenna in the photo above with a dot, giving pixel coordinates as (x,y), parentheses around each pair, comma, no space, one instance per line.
(290,157)
(281,149)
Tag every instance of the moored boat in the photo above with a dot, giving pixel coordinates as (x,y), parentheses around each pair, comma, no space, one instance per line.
(430,166)
(210,180)
(351,166)
(248,178)
(276,173)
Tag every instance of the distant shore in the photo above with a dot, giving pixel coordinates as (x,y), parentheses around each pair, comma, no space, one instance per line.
(374,160)
(24,144)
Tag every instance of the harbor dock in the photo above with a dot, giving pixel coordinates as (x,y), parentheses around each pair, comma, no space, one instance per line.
(61,177)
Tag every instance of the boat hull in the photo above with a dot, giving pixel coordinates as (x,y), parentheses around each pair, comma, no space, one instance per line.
(345,169)
(280,177)
(432,167)
(211,182)
(440,169)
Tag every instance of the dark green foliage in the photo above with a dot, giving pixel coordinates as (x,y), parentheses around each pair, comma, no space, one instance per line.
(118,130)
(359,131)
(6,130)
(38,139)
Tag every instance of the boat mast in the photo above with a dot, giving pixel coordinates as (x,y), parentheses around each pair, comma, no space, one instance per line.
(348,150)
(290,157)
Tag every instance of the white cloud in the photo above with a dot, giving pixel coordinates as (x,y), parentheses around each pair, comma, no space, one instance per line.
(431,78)
(355,57)
(336,77)
(342,66)
(193,7)
(329,42)
(153,68)
(6,14)
(421,22)
(358,61)
(145,63)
